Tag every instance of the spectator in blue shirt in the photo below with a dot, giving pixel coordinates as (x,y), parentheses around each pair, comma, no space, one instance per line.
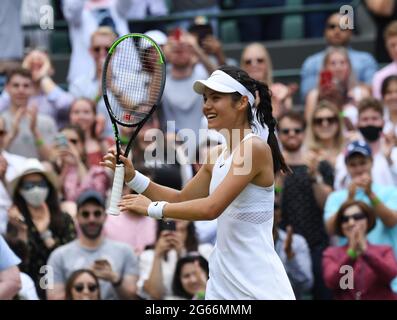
(10,281)
(383,199)
(363,63)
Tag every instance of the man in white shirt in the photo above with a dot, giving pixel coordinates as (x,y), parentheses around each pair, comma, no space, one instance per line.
(384,152)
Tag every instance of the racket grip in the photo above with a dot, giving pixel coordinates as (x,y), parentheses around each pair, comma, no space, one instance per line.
(117,189)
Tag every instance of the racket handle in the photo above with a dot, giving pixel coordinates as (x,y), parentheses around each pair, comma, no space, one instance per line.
(117,189)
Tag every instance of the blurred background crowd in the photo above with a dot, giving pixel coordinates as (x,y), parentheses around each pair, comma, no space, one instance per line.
(333,78)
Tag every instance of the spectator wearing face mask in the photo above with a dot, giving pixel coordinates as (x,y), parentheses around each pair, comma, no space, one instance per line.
(384,152)
(36,217)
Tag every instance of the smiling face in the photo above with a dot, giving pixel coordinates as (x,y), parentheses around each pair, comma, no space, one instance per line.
(221,111)
(20,88)
(82,114)
(354,219)
(291,134)
(254,62)
(189,278)
(325,124)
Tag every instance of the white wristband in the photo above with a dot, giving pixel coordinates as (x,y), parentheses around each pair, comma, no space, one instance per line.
(155,209)
(139,183)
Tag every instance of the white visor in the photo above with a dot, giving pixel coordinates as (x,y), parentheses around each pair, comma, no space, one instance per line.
(220,81)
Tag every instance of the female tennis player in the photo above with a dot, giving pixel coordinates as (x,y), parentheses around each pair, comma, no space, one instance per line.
(237,189)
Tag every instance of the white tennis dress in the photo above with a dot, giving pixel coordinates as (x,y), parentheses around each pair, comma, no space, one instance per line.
(244,264)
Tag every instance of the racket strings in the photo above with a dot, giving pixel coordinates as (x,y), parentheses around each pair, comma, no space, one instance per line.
(134,80)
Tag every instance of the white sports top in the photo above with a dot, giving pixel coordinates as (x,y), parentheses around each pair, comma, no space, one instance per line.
(244,264)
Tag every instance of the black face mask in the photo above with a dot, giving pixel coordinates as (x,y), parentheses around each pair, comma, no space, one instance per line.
(371,133)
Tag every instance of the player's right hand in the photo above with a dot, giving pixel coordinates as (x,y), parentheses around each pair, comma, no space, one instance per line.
(109,160)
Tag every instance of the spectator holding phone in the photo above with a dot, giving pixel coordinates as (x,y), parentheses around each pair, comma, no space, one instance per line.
(112,262)
(70,162)
(374,266)
(363,65)
(82,284)
(337,83)
(157,266)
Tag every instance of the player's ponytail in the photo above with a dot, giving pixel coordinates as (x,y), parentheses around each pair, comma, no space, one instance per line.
(263,112)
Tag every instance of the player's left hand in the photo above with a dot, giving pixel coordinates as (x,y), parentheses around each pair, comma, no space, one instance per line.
(135,203)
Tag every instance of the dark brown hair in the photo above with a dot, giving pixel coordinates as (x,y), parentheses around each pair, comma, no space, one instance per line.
(369,212)
(72,278)
(264,111)
(370,103)
(20,72)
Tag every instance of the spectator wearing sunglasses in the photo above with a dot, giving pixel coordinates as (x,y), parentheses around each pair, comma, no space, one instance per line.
(71,162)
(325,131)
(382,198)
(363,63)
(256,61)
(304,192)
(88,85)
(383,149)
(36,217)
(82,284)
(373,266)
(114,263)
(84,17)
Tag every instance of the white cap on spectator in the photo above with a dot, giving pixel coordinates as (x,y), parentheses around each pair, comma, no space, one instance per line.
(157,36)
(220,81)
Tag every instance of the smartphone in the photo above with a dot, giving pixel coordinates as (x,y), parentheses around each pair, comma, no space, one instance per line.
(176,34)
(61,141)
(325,79)
(168,225)
(101,261)
(202,31)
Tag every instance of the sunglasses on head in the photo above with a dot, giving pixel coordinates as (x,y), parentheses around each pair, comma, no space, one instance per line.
(79,287)
(97,213)
(99,48)
(27,185)
(286,131)
(321,120)
(356,216)
(251,61)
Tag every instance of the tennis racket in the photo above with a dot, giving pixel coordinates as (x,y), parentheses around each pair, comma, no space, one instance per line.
(133,81)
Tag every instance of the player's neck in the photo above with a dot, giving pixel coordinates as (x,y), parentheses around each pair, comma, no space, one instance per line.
(234,136)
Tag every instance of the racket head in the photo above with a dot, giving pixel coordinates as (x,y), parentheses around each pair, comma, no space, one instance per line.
(133,79)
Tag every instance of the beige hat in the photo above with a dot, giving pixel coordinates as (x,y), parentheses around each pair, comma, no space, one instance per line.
(31,166)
